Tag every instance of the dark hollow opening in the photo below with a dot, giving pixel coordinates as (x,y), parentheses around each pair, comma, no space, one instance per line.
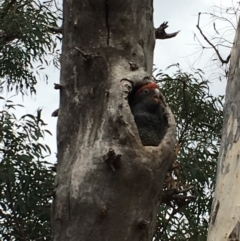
(148,109)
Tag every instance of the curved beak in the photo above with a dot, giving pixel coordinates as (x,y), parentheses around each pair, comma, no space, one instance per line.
(156,94)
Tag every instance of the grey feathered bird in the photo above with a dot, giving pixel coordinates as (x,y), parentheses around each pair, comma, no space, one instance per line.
(148,112)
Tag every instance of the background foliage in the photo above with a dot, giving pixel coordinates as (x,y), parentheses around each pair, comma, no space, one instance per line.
(189,185)
(27,46)
(25,39)
(25,180)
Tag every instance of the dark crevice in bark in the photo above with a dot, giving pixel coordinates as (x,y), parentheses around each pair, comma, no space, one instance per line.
(69,205)
(88,57)
(107,23)
(235,234)
(112,159)
(214,213)
(133,66)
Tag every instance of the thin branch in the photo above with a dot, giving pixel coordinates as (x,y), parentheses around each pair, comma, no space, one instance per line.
(20,6)
(223,19)
(186,112)
(56,6)
(55,30)
(212,45)
(174,211)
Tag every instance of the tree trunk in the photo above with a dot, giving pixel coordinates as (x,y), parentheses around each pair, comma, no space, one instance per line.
(108,186)
(225,214)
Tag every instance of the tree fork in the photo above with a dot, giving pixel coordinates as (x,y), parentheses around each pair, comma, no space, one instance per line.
(108,186)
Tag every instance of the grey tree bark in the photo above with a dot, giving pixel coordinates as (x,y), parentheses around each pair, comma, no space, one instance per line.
(225,214)
(108,186)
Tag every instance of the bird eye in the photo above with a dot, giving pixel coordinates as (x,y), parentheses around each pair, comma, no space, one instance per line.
(145,91)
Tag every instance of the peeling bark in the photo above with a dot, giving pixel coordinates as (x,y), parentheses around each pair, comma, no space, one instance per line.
(225,214)
(108,186)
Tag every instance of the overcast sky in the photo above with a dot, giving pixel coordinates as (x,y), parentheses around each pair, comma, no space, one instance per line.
(181,15)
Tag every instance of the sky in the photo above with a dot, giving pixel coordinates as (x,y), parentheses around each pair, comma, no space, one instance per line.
(181,15)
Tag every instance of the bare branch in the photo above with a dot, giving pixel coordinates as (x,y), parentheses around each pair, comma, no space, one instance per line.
(55,113)
(161,34)
(55,30)
(212,45)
